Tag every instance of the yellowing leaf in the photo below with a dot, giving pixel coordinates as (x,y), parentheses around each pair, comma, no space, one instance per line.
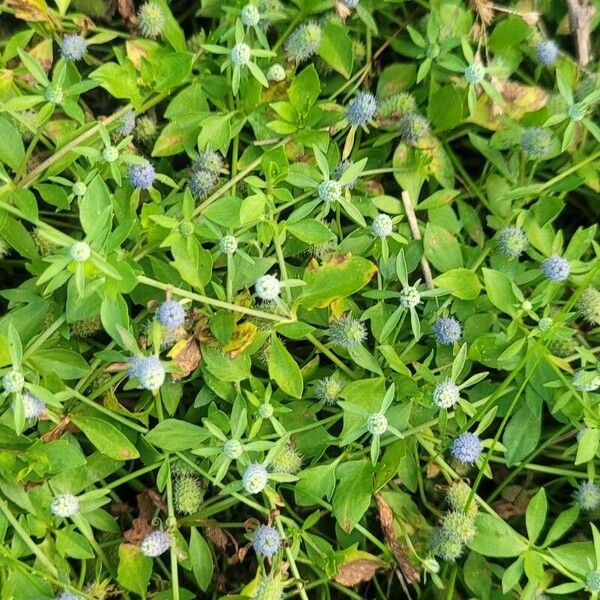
(29,10)
(243,335)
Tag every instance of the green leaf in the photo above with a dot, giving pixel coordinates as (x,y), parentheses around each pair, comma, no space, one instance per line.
(561,525)
(587,445)
(461,283)
(201,558)
(64,363)
(71,544)
(107,438)
(314,484)
(500,291)
(135,569)
(215,132)
(352,495)
(535,517)
(114,313)
(173,435)
(442,248)
(120,81)
(522,432)
(95,208)
(284,370)
(192,261)
(496,538)
(12,151)
(304,90)
(336,49)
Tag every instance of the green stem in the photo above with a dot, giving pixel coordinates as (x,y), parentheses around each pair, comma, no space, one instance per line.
(330,355)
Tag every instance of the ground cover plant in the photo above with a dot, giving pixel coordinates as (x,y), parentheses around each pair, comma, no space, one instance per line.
(299,299)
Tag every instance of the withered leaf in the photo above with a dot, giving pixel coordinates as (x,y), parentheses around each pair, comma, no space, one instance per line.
(356,571)
(186,355)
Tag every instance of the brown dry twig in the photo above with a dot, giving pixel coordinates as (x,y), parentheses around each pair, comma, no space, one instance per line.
(581,15)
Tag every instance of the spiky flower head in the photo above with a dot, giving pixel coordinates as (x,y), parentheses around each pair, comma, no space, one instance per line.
(457,496)
(33,407)
(466,448)
(269,588)
(587,495)
(265,410)
(562,347)
(187,494)
(347,332)
(382,225)
(545,323)
(546,52)
(350,3)
(266,541)
(589,305)
(110,154)
(339,170)
(329,191)
(73,47)
(267,288)
(431,565)
(396,105)
(64,505)
(228,244)
(512,241)
(592,581)
(410,297)
(171,314)
(202,182)
(328,389)
(142,176)
(255,478)
(148,370)
(13,381)
(233,449)
(287,460)
(208,160)
(377,423)
(68,596)
(445,545)
(536,142)
(459,526)
(586,381)
(80,252)
(413,128)
(303,42)
(86,327)
(250,15)
(362,109)
(151,20)
(145,129)
(155,544)
(276,73)
(446,394)
(475,73)
(556,268)
(447,330)
(240,54)
(54,93)
(126,124)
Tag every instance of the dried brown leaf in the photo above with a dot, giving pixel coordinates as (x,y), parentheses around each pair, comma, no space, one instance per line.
(126,9)
(186,358)
(485,10)
(356,571)
(29,10)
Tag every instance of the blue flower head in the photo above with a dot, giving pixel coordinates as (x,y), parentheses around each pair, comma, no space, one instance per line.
(148,370)
(350,3)
(208,160)
(33,407)
(266,541)
(587,495)
(475,73)
(276,73)
(151,20)
(64,505)
(241,54)
(512,241)
(202,182)
(303,42)
(413,128)
(556,268)
(171,314)
(255,478)
(536,142)
(68,596)
(73,47)
(142,176)
(447,330)
(382,225)
(13,381)
(126,124)
(362,109)
(155,544)
(466,448)
(250,15)
(446,394)
(347,332)
(547,52)
(592,581)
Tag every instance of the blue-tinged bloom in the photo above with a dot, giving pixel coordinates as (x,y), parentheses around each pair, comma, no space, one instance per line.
(73,47)
(171,314)
(228,244)
(208,160)
(13,381)
(447,330)
(512,241)
(64,505)
(267,288)
(413,128)
(255,478)
(329,191)
(142,176)
(547,52)
(475,73)
(587,495)
(362,109)
(592,581)
(202,182)
(155,544)
(240,54)
(233,449)
(151,20)
(446,394)
(556,268)
(536,142)
(33,407)
(250,15)
(347,332)
(303,42)
(377,423)
(148,370)
(68,596)
(266,541)
(466,448)
(382,225)
(350,3)
(126,123)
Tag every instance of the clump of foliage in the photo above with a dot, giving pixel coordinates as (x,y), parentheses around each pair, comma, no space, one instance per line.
(299,300)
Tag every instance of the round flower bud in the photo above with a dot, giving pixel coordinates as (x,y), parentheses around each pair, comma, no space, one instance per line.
(110,154)
(13,382)
(459,526)
(350,3)
(512,241)
(171,314)
(142,176)
(267,288)
(545,323)
(526,305)
(562,347)
(151,20)
(377,423)
(73,47)
(431,565)
(54,94)
(546,52)
(187,495)
(382,225)
(592,581)
(466,448)
(126,124)
(585,381)
(79,188)
(347,332)
(329,191)
(446,394)
(362,109)
(457,496)
(413,128)
(447,330)
(228,244)
(233,449)
(155,544)
(410,297)
(68,596)
(33,407)
(80,252)
(149,371)
(576,112)
(445,545)
(250,15)
(186,228)
(536,142)
(475,73)
(266,541)
(240,54)
(64,505)
(208,160)
(556,268)
(265,410)
(287,460)
(276,73)
(202,182)
(145,129)
(396,105)
(328,390)
(589,305)
(587,495)
(303,42)
(255,478)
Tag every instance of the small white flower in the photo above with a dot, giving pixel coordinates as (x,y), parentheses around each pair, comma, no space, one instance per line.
(64,505)
(240,54)
(267,288)
(377,424)
(382,225)
(80,252)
